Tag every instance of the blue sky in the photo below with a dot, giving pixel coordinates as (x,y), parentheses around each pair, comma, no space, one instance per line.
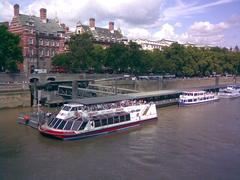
(205,22)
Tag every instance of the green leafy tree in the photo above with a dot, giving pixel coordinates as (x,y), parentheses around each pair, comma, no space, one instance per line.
(81,50)
(62,60)
(10,50)
(117,58)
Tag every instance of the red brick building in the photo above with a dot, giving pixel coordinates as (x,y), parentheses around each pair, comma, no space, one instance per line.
(41,38)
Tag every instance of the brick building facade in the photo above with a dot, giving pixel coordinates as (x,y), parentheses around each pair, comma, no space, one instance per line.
(41,38)
(102,36)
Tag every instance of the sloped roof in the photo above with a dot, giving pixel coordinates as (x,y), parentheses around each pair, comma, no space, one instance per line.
(51,26)
(102,32)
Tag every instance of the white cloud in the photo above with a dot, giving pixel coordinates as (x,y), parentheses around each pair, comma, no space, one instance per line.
(134,33)
(136,18)
(207,28)
(6,10)
(130,11)
(166,32)
(205,33)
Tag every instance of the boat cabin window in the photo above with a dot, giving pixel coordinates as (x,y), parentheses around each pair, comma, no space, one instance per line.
(53,122)
(76,125)
(110,120)
(57,123)
(104,122)
(68,125)
(128,117)
(122,118)
(66,108)
(116,119)
(62,125)
(74,109)
(83,125)
(79,108)
(97,123)
(50,121)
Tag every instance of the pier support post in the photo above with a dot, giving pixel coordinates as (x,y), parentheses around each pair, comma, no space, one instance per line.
(136,84)
(35,93)
(216,80)
(160,83)
(235,79)
(74,89)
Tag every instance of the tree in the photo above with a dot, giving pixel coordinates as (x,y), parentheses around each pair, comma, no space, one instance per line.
(62,60)
(81,51)
(10,50)
(117,58)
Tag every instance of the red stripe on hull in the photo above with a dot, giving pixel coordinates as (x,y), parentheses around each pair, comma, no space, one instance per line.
(71,135)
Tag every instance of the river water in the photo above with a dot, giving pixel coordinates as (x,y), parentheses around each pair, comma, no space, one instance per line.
(198,142)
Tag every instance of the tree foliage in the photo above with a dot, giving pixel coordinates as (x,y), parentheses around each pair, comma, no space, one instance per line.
(120,58)
(10,50)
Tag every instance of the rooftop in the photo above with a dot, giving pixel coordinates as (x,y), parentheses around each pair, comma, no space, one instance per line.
(121,97)
(51,26)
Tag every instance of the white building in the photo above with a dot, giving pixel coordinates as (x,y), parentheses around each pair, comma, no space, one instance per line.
(151,45)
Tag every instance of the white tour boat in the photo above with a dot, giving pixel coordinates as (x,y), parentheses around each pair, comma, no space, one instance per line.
(229,92)
(196,97)
(76,121)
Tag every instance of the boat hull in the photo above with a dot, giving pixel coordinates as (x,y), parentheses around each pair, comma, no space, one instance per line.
(75,135)
(228,96)
(195,103)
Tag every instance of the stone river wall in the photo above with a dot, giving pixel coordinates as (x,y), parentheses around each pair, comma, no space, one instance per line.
(11,98)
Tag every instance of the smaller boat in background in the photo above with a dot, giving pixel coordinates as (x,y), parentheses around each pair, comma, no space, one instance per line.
(229,92)
(196,97)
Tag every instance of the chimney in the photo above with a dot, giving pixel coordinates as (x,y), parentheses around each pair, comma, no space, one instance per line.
(92,23)
(43,15)
(111,27)
(16,10)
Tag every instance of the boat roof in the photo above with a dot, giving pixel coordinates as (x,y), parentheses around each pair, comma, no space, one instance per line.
(194,91)
(121,97)
(73,105)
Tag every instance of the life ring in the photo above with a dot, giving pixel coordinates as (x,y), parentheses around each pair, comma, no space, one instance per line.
(26,118)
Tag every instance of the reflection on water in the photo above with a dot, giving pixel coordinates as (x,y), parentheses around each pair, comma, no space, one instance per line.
(198,142)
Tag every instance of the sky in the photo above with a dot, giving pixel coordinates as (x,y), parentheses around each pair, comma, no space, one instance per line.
(203,22)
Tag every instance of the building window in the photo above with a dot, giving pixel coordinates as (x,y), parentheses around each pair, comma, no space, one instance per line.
(57,44)
(52,52)
(41,53)
(30,41)
(47,43)
(40,42)
(31,52)
(47,52)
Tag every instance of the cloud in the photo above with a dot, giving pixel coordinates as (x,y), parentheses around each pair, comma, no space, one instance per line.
(130,11)
(201,33)
(134,33)
(166,32)
(6,12)
(136,18)
(205,33)
(206,28)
